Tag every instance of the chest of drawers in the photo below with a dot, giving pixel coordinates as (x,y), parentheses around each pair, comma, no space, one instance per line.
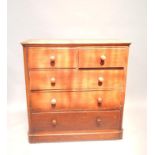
(75,89)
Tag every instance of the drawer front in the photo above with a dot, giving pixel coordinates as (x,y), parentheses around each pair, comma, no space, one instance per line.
(103,57)
(75,121)
(103,79)
(90,100)
(58,79)
(47,57)
(72,79)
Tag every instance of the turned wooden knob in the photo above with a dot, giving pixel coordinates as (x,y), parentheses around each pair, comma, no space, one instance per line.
(99,100)
(100,79)
(54,122)
(53,102)
(52,58)
(53,80)
(103,57)
(98,121)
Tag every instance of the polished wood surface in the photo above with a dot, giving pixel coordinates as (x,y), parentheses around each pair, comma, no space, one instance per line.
(41,57)
(57,136)
(75,121)
(89,100)
(88,42)
(103,57)
(75,90)
(27,85)
(76,79)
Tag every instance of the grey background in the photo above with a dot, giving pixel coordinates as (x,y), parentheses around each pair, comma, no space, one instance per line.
(80,19)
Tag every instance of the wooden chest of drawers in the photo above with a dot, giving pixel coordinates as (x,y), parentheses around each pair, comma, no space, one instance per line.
(75,89)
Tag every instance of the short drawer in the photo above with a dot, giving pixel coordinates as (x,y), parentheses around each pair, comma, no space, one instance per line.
(88,100)
(103,57)
(75,121)
(54,79)
(48,57)
(72,79)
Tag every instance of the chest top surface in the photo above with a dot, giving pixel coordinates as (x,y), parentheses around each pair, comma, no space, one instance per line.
(76,42)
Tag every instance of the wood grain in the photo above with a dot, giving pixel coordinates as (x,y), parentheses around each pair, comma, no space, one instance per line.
(27,85)
(73,79)
(75,136)
(75,121)
(40,57)
(66,101)
(91,57)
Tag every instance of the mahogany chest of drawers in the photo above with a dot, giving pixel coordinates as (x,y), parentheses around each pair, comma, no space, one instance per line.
(75,89)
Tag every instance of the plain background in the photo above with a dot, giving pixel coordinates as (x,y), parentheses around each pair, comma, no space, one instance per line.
(78,19)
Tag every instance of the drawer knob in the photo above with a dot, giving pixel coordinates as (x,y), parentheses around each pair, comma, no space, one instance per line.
(103,57)
(53,102)
(98,121)
(53,80)
(99,100)
(100,80)
(52,58)
(54,122)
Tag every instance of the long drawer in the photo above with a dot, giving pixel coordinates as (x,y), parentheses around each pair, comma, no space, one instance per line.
(75,121)
(88,100)
(72,79)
